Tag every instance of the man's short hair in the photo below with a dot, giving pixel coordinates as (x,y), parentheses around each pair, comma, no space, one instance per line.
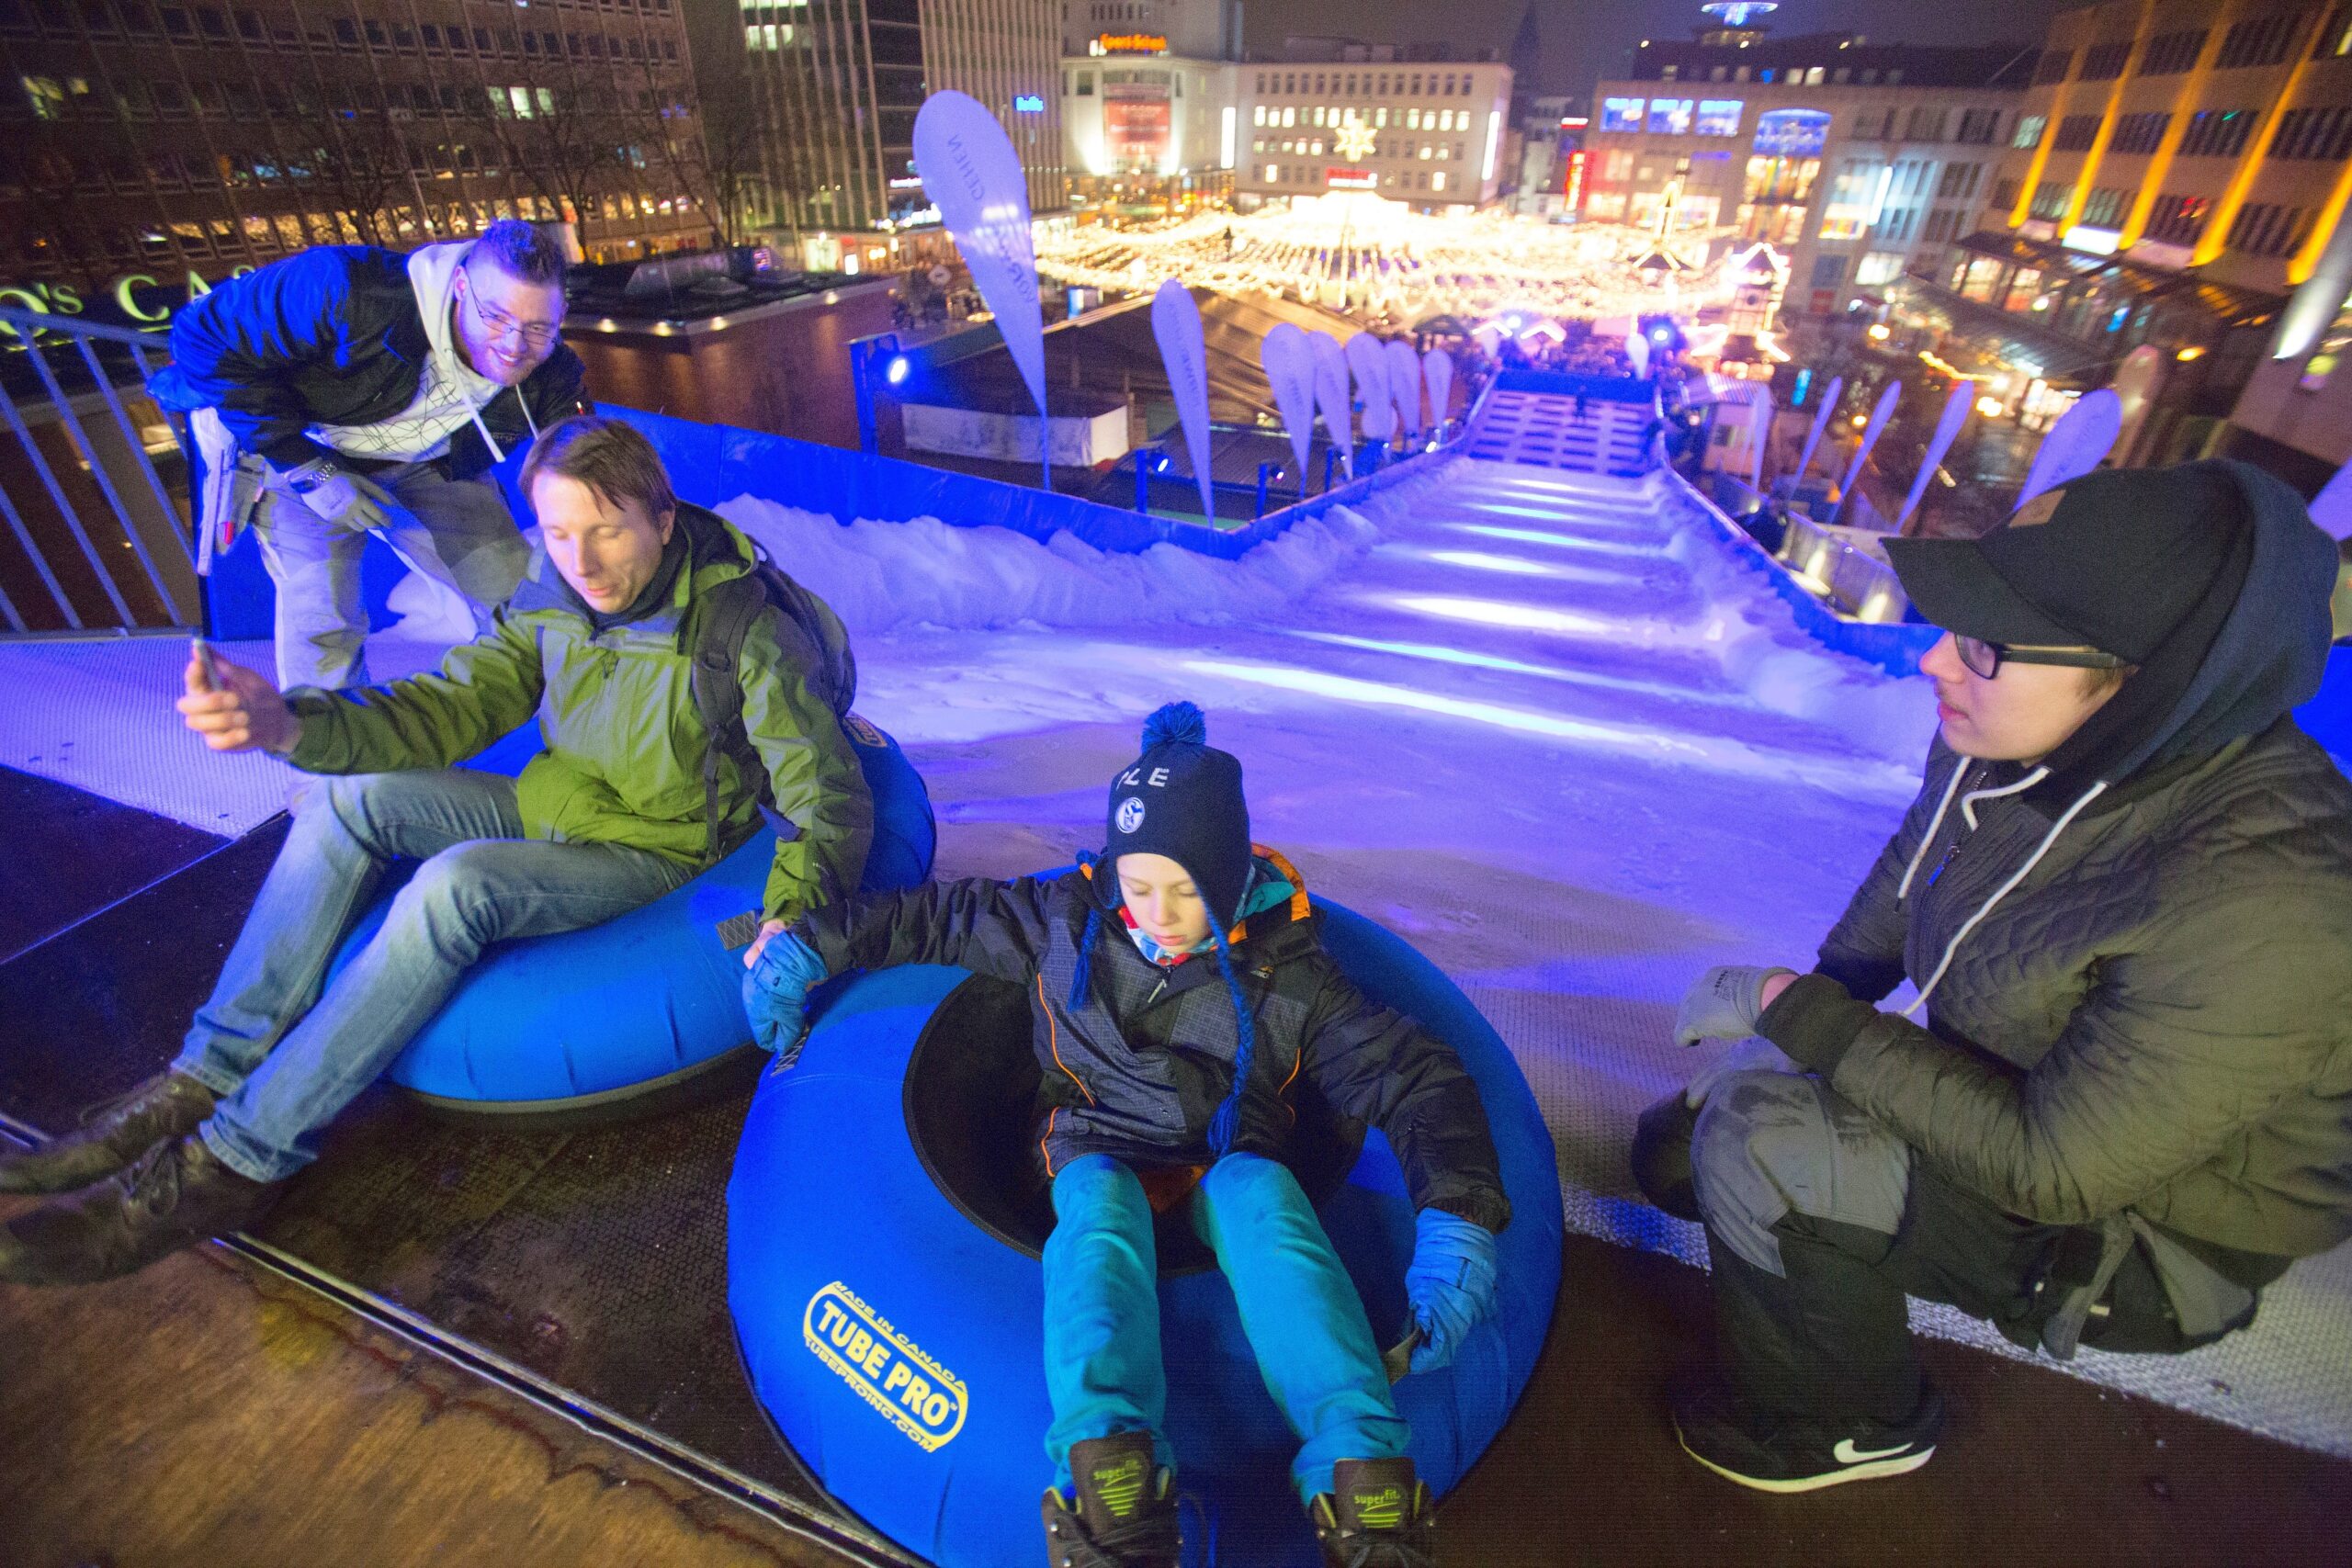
(521,251)
(611,457)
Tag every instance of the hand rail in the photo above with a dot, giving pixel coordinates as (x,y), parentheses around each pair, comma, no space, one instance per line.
(78,459)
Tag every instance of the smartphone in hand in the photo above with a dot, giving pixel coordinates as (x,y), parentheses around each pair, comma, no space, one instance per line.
(201,651)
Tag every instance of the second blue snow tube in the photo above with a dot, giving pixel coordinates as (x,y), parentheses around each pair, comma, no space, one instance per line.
(882,1273)
(586,1020)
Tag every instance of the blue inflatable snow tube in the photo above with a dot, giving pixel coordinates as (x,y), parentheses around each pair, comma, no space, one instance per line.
(591,1018)
(888,1304)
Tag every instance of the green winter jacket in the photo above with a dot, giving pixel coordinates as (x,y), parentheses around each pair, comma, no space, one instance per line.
(624,743)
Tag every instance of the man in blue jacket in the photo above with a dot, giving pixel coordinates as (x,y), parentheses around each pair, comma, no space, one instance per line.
(350,390)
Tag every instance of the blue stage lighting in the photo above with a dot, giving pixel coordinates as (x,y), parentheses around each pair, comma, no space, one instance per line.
(896,371)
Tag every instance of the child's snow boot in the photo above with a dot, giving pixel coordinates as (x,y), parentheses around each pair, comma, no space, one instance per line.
(1377,1515)
(1124,1512)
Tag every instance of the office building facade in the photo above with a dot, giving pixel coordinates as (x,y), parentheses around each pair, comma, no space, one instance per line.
(2162,218)
(150,149)
(1847,159)
(831,89)
(1147,101)
(1336,115)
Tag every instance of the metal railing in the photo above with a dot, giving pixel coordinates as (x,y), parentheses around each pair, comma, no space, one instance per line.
(93,489)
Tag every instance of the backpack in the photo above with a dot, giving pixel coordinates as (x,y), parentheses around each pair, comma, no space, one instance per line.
(720,619)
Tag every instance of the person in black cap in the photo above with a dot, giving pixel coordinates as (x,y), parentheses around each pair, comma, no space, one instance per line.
(2124,896)
(1192,1037)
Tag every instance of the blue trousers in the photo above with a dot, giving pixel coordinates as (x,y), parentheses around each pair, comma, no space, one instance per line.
(1298,1308)
(288,1058)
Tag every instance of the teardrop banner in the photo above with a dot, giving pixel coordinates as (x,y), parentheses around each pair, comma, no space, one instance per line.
(2331,507)
(1370,363)
(1331,397)
(1437,374)
(972,175)
(1290,371)
(1956,406)
(1878,416)
(1820,421)
(2083,436)
(1759,433)
(1637,349)
(1405,384)
(1176,322)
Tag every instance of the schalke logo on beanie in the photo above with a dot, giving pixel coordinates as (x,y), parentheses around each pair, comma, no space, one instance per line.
(1183,799)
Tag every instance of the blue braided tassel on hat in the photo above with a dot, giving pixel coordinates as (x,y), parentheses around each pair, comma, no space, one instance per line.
(1085,967)
(1226,1122)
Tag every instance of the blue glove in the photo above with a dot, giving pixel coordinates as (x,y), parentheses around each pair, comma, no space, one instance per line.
(1451,1283)
(775,995)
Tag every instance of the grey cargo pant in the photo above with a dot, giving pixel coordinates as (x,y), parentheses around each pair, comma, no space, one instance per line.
(458,532)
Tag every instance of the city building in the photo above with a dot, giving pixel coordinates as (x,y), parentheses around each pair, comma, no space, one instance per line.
(1848,158)
(1414,124)
(1544,157)
(150,149)
(1147,90)
(2177,170)
(822,96)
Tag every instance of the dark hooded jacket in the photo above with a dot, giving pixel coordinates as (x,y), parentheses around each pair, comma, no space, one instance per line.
(335,335)
(2138,958)
(1137,1067)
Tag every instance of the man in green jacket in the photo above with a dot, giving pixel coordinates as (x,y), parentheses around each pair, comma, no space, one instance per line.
(2125,897)
(598,643)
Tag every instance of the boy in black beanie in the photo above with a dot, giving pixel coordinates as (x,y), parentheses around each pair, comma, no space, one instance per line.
(1172,1060)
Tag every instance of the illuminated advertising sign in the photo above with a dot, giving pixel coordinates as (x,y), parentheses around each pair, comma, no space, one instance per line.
(1719,117)
(1028,103)
(1136,132)
(1622,113)
(1351,179)
(1574,187)
(1130,43)
(1671,116)
(1790,133)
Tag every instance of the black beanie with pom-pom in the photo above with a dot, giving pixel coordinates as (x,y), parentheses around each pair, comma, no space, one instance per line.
(1183,799)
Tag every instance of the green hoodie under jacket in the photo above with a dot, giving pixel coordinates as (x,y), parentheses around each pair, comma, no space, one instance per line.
(625,744)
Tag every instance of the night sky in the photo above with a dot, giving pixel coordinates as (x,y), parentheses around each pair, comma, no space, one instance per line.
(1584,39)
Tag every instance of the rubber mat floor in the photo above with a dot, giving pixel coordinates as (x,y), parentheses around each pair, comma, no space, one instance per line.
(594,1260)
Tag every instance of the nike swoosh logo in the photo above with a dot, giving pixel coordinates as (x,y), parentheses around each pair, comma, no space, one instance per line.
(1846,1453)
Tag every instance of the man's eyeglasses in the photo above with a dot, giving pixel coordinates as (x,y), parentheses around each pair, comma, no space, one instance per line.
(1986,659)
(537,334)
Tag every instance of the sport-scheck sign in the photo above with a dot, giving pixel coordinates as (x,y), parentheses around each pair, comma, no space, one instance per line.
(136,300)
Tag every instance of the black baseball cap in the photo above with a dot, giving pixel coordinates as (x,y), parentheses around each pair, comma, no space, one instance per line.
(2115,560)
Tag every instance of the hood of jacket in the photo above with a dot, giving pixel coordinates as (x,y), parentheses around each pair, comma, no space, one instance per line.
(2254,650)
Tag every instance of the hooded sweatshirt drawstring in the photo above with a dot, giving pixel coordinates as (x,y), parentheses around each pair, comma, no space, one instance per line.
(1928,840)
(2004,891)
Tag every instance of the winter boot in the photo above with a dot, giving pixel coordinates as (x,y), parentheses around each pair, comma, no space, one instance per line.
(1741,1443)
(1124,1515)
(177,1193)
(110,1137)
(1377,1515)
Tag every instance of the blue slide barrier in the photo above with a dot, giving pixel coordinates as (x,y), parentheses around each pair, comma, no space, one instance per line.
(605,1014)
(888,1303)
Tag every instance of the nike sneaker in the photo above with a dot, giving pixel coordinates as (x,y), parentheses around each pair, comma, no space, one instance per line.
(1741,1444)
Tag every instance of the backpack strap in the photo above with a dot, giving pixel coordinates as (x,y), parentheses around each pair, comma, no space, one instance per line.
(723,615)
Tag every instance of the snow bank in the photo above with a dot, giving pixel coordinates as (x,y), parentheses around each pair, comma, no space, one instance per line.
(1752,632)
(884,576)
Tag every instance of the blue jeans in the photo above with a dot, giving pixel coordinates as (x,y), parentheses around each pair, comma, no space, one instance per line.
(1298,1308)
(287,1059)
